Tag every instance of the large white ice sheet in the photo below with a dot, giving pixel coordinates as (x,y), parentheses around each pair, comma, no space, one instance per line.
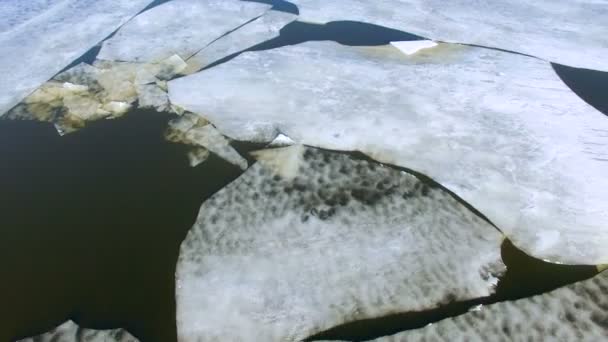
(571,32)
(500,130)
(181,27)
(307,239)
(40,43)
(577,312)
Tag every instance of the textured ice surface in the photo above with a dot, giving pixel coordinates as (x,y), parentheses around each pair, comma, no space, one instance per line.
(501,130)
(263,28)
(44,37)
(570,32)
(307,239)
(577,312)
(181,27)
(70,332)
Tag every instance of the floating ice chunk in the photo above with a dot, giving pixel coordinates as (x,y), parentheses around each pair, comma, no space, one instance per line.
(180,27)
(281,141)
(573,313)
(263,28)
(501,130)
(566,32)
(152,96)
(278,259)
(192,130)
(413,46)
(43,42)
(70,332)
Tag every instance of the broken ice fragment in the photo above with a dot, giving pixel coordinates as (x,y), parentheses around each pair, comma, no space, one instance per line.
(263,28)
(307,239)
(413,46)
(152,96)
(576,312)
(41,43)
(192,130)
(500,130)
(180,27)
(70,332)
(566,32)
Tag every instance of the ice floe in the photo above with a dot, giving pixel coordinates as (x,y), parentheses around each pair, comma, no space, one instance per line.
(567,32)
(70,332)
(178,27)
(307,239)
(501,130)
(39,39)
(413,46)
(577,312)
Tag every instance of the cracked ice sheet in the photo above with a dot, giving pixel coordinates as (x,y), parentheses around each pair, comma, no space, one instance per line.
(262,29)
(181,27)
(42,43)
(577,312)
(500,130)
(70,332)
(308,239)
(567,32)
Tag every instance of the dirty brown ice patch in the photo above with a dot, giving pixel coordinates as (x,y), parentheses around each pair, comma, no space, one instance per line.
(91,224)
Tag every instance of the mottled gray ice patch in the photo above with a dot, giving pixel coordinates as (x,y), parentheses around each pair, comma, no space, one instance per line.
(572,32)
(45,37)
(181,27)
(577,312)
(70,332)
(501,130)
(308,239)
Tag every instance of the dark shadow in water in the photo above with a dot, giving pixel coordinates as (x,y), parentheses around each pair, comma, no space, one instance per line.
(590,85)
(525,277)
(279,5)
(91,224)
(351,33)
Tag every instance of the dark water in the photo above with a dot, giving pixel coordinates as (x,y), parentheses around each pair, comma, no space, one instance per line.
(91,223)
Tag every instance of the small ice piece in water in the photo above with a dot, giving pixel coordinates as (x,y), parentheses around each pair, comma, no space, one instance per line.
(181,27)
(484,123)
(308,239)
(70,332)
(576,312)
(281,141)
(413,46)
(152,96)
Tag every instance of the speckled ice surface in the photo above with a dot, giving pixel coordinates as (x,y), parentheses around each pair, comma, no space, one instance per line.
(70,332)
(44,38)
(501,130)
(577,312)
(307,239)
(181,27)
(571,32)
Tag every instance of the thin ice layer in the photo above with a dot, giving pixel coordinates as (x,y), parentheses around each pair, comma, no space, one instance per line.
(570,32)
(263,28)
(70,332)
(578,312)
(40,44)
(500,130)
(307,239)
(180,27)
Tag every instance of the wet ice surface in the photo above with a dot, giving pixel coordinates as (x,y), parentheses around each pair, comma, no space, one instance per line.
(48,38)
(500,130)
(567,32)
(71,332)
(577,312)
(306,239)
